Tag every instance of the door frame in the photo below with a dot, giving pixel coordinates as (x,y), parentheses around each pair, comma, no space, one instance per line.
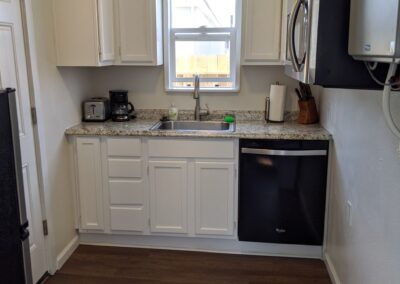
(38,128)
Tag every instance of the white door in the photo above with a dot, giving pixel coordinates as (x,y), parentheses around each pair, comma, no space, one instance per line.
(215,187)
(13,73)
(168,196)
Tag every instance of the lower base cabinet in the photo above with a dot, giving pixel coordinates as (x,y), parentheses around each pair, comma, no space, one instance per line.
(122,188)
(89,182)
(214,197)
(168,196)
(126,186)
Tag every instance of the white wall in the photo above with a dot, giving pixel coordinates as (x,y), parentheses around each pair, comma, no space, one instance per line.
(59,95)
(366,172)
(146,86)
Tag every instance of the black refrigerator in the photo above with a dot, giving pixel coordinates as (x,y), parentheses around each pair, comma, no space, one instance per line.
(15,264)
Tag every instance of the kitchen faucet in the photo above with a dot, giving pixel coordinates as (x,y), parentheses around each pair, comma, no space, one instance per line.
(198,112)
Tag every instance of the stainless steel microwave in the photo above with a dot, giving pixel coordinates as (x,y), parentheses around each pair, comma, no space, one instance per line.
(301,33)
(317,46)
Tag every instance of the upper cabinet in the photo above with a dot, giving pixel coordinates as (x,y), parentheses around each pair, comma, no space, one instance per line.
(139,32)
(264,29)
(90,32)
(127,32)
(105,10)
(84,32)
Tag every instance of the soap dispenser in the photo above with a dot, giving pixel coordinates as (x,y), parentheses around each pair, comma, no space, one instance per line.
(173,113)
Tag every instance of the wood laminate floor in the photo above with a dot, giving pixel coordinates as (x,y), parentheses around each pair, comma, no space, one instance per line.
(93,264)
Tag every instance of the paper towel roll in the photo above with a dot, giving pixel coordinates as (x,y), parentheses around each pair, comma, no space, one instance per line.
(277,98)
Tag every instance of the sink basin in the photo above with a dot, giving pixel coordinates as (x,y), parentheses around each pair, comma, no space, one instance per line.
(194,126)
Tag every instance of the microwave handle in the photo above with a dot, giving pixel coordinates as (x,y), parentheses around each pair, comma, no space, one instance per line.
(291,35)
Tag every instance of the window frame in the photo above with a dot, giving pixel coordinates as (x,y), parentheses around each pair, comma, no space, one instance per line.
(202,34)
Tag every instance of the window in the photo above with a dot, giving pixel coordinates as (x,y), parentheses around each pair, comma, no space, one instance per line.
(202,37)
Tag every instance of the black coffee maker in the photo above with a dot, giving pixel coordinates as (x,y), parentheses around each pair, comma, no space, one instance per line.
(121,108)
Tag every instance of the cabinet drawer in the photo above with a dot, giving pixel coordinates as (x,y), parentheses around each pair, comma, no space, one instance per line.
(191,148)
(131,147)
(123,192)
(124,168)
(127,218)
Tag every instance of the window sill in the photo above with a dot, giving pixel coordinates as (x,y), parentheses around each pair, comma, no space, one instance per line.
(207,91)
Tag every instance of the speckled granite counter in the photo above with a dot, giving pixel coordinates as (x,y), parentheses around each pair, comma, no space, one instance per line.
(244,129)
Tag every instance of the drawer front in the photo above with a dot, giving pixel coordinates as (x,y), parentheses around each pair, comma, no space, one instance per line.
(127,219)
(131,147)
(125,168)
(191,148)
(123,192)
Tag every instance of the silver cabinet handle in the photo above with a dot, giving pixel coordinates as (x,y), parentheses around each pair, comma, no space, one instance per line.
(269,152)
(280,231)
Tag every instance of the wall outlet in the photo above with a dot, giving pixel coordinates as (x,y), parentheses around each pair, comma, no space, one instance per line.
(349,213)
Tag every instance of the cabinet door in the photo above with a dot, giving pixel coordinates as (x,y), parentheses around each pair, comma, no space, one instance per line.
(168,196)
(83,32)
(215,185)
(262,28)
(90,183)
(106,30)
(140,32)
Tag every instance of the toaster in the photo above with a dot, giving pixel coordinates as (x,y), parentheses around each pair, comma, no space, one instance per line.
(96,109)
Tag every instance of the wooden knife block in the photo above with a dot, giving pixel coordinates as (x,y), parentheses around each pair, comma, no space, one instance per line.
(308,112)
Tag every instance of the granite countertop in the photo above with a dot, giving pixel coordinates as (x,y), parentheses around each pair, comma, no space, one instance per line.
(244,129)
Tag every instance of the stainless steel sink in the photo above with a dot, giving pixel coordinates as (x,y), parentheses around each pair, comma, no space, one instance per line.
(194,126)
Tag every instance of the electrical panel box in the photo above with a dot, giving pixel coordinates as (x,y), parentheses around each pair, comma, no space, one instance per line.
(374,30)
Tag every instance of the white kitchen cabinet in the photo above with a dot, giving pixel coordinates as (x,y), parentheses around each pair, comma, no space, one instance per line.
(168,196)
(200,172)
(84,32)
(191,148)
(139,32)
(125,185)
(214,196)
(157,186)
(89,181)
(263,32)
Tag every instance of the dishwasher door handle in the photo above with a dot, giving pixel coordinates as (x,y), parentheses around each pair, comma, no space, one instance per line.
(295,153)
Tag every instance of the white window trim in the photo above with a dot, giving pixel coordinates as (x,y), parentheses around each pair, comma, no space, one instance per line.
(229,33)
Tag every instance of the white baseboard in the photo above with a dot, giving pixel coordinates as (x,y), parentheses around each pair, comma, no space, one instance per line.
(202,244)
(331,269)
(66,253)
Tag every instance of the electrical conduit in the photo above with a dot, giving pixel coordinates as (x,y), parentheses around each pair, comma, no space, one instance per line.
(386,100)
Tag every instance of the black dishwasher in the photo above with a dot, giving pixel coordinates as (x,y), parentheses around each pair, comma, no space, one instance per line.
(282,191)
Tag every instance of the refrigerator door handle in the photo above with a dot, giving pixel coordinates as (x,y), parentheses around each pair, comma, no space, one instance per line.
(24,232)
